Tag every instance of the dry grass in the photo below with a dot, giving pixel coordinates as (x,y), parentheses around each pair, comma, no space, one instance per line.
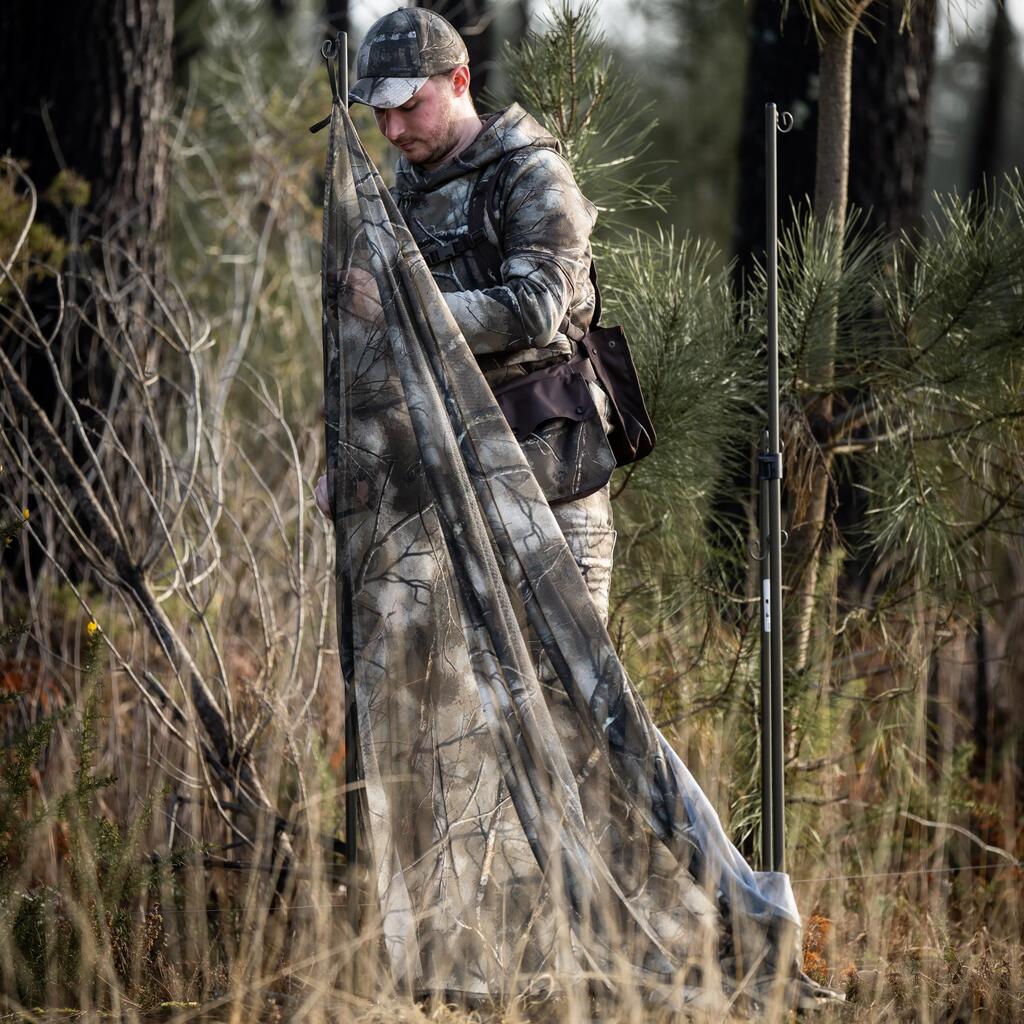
(930,943)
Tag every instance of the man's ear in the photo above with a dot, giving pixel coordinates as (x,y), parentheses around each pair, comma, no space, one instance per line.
(460,81)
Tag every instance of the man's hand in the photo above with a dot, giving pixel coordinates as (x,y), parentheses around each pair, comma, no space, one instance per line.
(361,297)
(320,495)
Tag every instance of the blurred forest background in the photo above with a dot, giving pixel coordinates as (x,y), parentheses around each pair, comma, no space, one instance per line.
(171,804)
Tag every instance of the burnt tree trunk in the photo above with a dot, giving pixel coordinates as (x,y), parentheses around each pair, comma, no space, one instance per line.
(988,136)
(336,15)
(782,68)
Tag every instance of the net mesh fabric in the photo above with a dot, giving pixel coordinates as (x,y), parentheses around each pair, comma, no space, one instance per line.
(518,830)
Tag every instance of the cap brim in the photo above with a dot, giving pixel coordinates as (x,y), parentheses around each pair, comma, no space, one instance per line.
(385,92)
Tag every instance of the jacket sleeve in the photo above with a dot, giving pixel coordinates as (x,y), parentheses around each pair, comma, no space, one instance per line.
(544,230)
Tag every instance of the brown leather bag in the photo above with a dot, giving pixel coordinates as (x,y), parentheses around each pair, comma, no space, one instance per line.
(632,434)
(556,420)
(554,417)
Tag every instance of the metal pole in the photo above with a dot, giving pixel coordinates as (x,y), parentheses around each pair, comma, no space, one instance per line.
(771,475)
(352,779)
(342,49)
(767,849)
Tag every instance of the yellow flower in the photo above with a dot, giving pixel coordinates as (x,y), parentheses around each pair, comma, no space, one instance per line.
(92,627)
(24,513)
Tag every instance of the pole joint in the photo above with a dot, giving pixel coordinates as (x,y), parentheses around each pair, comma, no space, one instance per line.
(769,466)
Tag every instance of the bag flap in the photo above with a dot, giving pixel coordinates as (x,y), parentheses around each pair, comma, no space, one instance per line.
(536,399)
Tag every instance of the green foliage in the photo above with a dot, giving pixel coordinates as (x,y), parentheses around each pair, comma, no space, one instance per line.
(927,373)
(565,76)
(43,927)
(696,369)
(821,271)
(16,781)
(948,440)
(27,246)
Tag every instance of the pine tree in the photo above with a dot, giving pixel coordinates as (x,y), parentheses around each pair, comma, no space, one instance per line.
(901,369)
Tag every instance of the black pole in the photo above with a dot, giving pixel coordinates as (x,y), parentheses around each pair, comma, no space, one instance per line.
(772,747)
(352,776)
(351,730)
(767,848)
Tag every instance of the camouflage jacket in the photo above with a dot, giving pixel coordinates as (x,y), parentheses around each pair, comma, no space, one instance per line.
(542,225)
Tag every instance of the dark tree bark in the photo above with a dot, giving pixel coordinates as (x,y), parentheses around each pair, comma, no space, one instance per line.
(87,86)
(474,20)
(336,19)
(782,67)
(988,138)
(336,15)
(892,72)
(889,128)
(982,720)
(189,41)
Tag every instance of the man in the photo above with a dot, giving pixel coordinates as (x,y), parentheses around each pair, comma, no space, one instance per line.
(518,285)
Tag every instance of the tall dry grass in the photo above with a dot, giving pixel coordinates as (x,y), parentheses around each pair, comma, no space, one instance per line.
(148,871)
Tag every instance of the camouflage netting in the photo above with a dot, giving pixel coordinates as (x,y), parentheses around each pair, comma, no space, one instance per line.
(518,834)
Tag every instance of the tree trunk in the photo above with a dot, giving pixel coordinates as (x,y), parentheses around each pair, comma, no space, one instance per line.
(832,166)
(100,114)
(889,128)
(988,138)
(830,197)
(336,15)
(782,67)
(95,104)
(474,20)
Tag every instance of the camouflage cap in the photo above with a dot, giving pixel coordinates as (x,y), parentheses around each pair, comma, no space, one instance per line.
(400,52)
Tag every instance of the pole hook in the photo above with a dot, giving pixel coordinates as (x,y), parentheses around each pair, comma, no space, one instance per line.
(335,52)
(784,121)
(328,50)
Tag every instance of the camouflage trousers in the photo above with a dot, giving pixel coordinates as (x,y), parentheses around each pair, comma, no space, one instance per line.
(587,527)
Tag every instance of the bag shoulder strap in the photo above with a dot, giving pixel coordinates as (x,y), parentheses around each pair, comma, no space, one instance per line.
(482,209)
(480,217)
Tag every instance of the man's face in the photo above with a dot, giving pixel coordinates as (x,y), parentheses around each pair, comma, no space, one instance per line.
(423,128)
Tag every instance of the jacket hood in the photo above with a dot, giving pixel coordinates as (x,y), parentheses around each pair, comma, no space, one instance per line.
(504,132)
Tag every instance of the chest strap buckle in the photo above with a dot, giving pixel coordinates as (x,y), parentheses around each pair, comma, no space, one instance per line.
(438,252)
